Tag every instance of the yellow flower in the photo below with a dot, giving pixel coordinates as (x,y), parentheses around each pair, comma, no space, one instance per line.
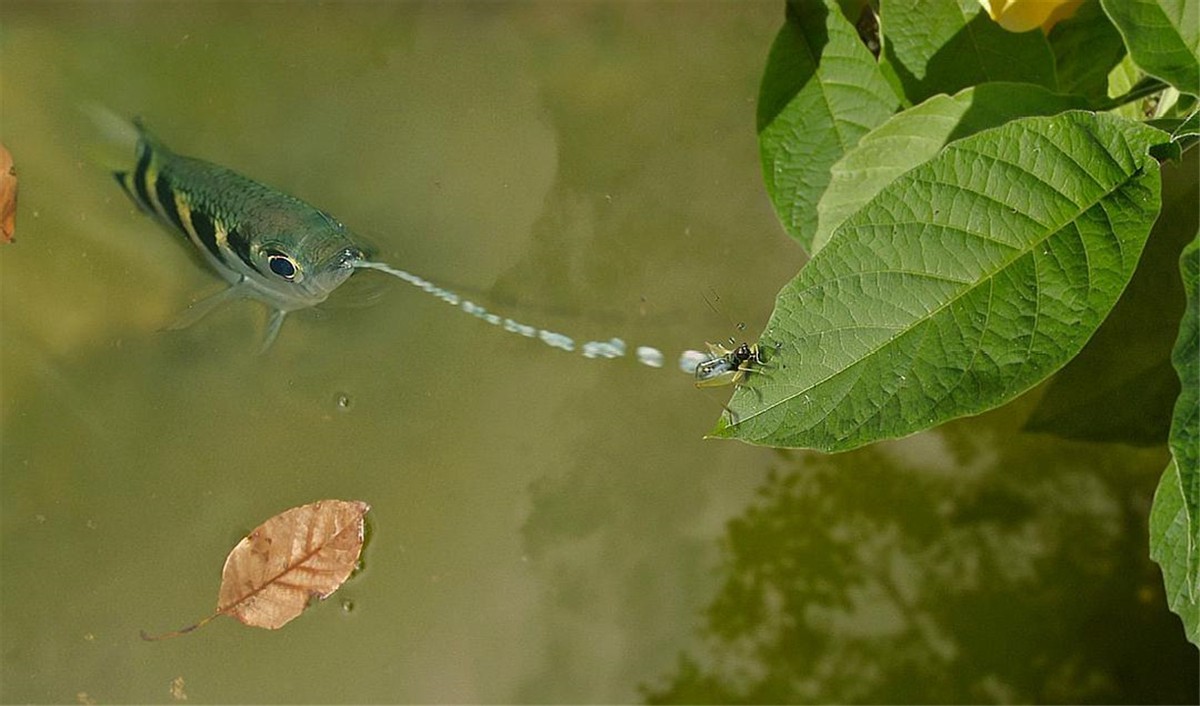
(1024,15)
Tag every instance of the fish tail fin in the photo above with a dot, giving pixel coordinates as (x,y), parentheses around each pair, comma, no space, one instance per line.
(117,140)
(129,151)
(120,142)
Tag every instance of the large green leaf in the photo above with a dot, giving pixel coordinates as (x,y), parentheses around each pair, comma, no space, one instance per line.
(1185,426)
(821,91)
(963,283)
(915,135)
(944,46)
(1086,47)
(1163,37)
(1171,545)
(1121,388)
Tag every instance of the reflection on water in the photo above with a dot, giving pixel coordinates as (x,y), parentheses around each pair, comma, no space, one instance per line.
(544,527)
(952,570)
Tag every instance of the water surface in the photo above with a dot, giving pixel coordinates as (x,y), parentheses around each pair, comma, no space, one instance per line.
(544,527)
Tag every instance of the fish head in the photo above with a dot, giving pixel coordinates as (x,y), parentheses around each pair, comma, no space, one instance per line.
(299,265)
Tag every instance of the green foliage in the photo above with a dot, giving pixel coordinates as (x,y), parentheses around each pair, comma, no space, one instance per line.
(915,135)
(944,46)
(1129,358)
(1086,48)
(1163,37)
(821,92)
(1180,556)
(967,248)
(963,283)
(1173,546)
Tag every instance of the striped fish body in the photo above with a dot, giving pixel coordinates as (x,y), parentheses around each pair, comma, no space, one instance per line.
(268,245)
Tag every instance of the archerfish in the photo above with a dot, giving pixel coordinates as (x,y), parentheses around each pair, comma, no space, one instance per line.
(268,245)
(290,255)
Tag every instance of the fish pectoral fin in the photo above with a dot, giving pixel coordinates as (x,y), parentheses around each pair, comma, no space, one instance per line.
(273,326)
(198,310)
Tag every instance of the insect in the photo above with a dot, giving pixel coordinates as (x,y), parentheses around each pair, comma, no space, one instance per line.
(268,245)
(728,367)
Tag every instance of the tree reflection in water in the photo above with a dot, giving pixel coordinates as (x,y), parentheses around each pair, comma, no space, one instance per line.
(1015,574)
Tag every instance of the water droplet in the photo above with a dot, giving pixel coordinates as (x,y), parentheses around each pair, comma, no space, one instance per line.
(688,360)
(650,356)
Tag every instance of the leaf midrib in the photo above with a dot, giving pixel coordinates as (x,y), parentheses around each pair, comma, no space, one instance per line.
(290,568)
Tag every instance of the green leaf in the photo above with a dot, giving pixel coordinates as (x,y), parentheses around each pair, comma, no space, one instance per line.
(1086,47)
(1121,79)
(915,136)
(1121,388)
(1171,545)
(963,283)
(1185,426)
(1163,37)
(1189,127)
(1185,135)
(821,91)
(944,46)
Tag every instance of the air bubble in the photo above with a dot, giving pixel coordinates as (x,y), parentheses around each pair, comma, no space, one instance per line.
(342,400)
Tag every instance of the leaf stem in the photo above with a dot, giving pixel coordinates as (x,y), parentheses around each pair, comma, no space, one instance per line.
(1148,86)
(177,633)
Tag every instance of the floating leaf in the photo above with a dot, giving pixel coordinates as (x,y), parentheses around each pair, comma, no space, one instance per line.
(8,196)
(944,46)
(1163,37)
(821,91)
(963,283)
(300,554)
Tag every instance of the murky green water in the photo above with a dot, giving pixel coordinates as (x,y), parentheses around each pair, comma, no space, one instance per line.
(544,527)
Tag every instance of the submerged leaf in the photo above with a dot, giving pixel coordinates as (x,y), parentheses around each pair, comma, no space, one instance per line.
(300,554)
(8,196)
(963,283)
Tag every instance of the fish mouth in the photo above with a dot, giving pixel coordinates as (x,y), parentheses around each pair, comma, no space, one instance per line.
(348,258)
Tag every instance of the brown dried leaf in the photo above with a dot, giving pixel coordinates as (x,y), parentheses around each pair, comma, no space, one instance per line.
(300,554)
(8,196)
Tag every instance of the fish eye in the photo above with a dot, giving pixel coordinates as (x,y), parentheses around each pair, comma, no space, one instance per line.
(282,265)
